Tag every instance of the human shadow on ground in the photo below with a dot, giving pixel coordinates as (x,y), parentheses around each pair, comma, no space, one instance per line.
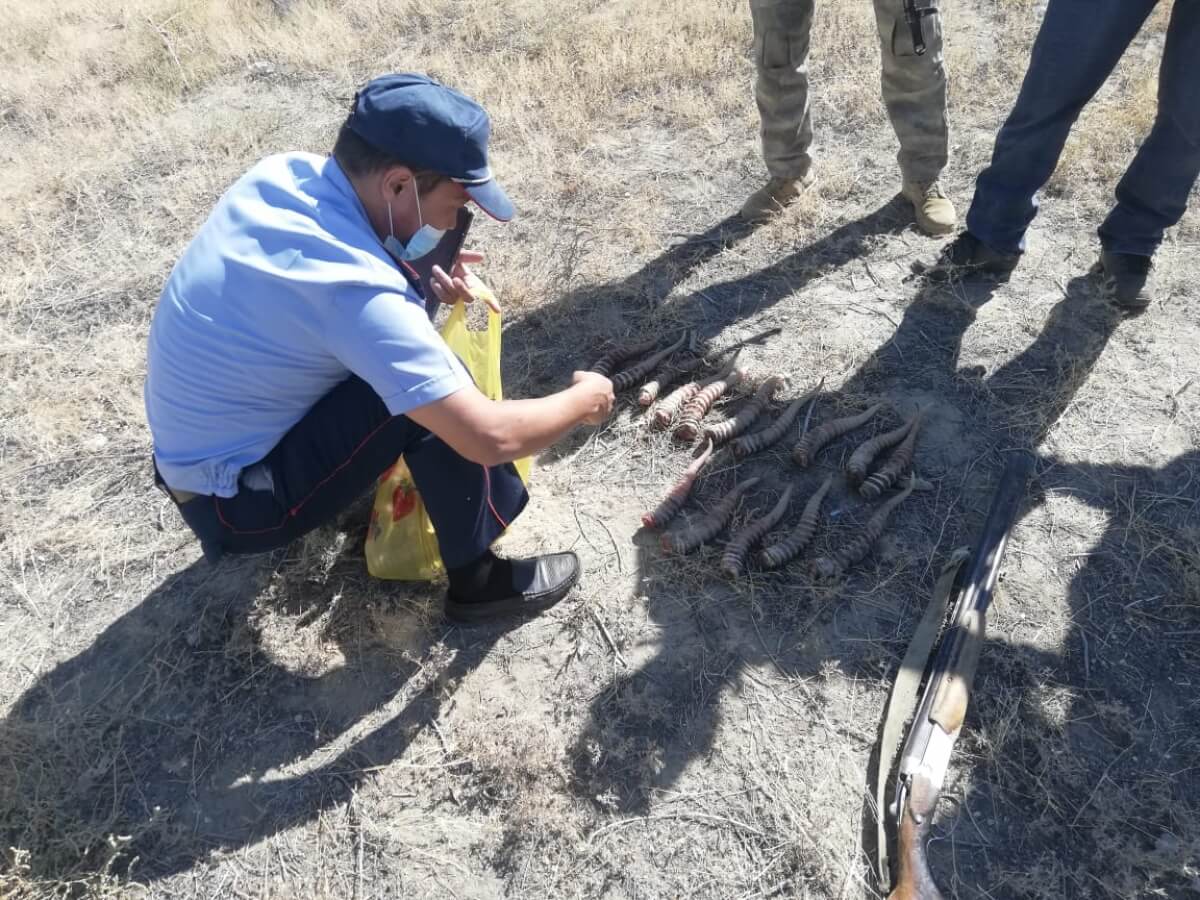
(171,729)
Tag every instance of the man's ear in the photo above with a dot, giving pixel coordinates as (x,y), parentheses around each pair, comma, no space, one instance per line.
(396,179)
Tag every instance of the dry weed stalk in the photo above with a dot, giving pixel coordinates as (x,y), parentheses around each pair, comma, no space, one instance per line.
(789,548)
(629,377)
(673,502)
(733,560)
(709,525)
(613,357)
(857,549)
(897,464)
(765,437)
(810,445)
(747,415)
(754,339)
(861,459)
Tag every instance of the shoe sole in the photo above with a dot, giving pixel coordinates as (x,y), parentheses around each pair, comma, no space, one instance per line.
(935,229)
(969,272)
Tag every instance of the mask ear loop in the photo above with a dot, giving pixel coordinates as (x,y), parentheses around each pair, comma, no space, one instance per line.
(417,196)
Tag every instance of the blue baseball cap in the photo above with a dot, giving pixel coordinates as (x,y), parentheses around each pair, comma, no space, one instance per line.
(430,126)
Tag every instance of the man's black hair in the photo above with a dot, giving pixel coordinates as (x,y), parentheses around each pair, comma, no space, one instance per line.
(358,158)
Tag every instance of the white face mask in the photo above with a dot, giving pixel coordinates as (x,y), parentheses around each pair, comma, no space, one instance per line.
(423,241)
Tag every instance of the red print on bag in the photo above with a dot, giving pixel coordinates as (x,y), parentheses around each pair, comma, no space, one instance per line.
(404,500)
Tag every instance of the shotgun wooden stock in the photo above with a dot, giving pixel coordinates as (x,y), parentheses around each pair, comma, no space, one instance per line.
(914,881)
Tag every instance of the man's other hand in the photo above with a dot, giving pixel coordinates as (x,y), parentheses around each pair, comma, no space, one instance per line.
(462,284)
(599,393)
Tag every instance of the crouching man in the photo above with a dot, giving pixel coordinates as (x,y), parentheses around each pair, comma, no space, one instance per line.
(291,359)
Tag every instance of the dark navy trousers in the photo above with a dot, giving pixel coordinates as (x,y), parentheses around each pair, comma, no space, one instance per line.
(334,455)
(1079,44)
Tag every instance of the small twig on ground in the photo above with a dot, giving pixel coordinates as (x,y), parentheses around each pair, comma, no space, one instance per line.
(612,645)
(166,39)
(437,729)
(811,406)
(1099,781)
(583,534)
(356,824)
(616,546)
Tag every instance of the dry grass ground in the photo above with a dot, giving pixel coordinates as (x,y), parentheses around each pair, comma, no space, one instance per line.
(289,727)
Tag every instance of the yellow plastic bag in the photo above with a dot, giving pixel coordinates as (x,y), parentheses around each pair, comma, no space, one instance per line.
(401,543)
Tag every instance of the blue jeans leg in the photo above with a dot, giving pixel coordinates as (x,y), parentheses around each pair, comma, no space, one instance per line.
(1077,47)
(1152,195)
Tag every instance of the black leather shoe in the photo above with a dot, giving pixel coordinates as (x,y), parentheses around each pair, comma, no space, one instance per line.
(538,584)
(967,255)
(1125,277)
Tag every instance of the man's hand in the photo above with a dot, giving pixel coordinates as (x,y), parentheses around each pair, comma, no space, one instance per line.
(599,393)
(462,284)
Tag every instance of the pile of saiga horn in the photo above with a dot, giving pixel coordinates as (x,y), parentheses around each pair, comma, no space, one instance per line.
(684,410)
(782,548)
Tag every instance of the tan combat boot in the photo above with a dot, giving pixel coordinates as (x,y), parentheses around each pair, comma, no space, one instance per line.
(935,213)
(771,199)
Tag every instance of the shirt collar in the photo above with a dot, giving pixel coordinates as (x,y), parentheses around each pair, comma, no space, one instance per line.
(339,179)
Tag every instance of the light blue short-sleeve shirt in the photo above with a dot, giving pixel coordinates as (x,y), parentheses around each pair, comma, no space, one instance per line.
(284,292)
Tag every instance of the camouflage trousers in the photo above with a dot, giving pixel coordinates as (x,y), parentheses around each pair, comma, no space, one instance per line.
(914,87)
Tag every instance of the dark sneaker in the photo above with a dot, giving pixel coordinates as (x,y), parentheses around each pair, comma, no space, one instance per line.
(1125,277)
(967,255)
(538,584)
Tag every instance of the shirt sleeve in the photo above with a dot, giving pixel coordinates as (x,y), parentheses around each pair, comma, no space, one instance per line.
(390,343)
